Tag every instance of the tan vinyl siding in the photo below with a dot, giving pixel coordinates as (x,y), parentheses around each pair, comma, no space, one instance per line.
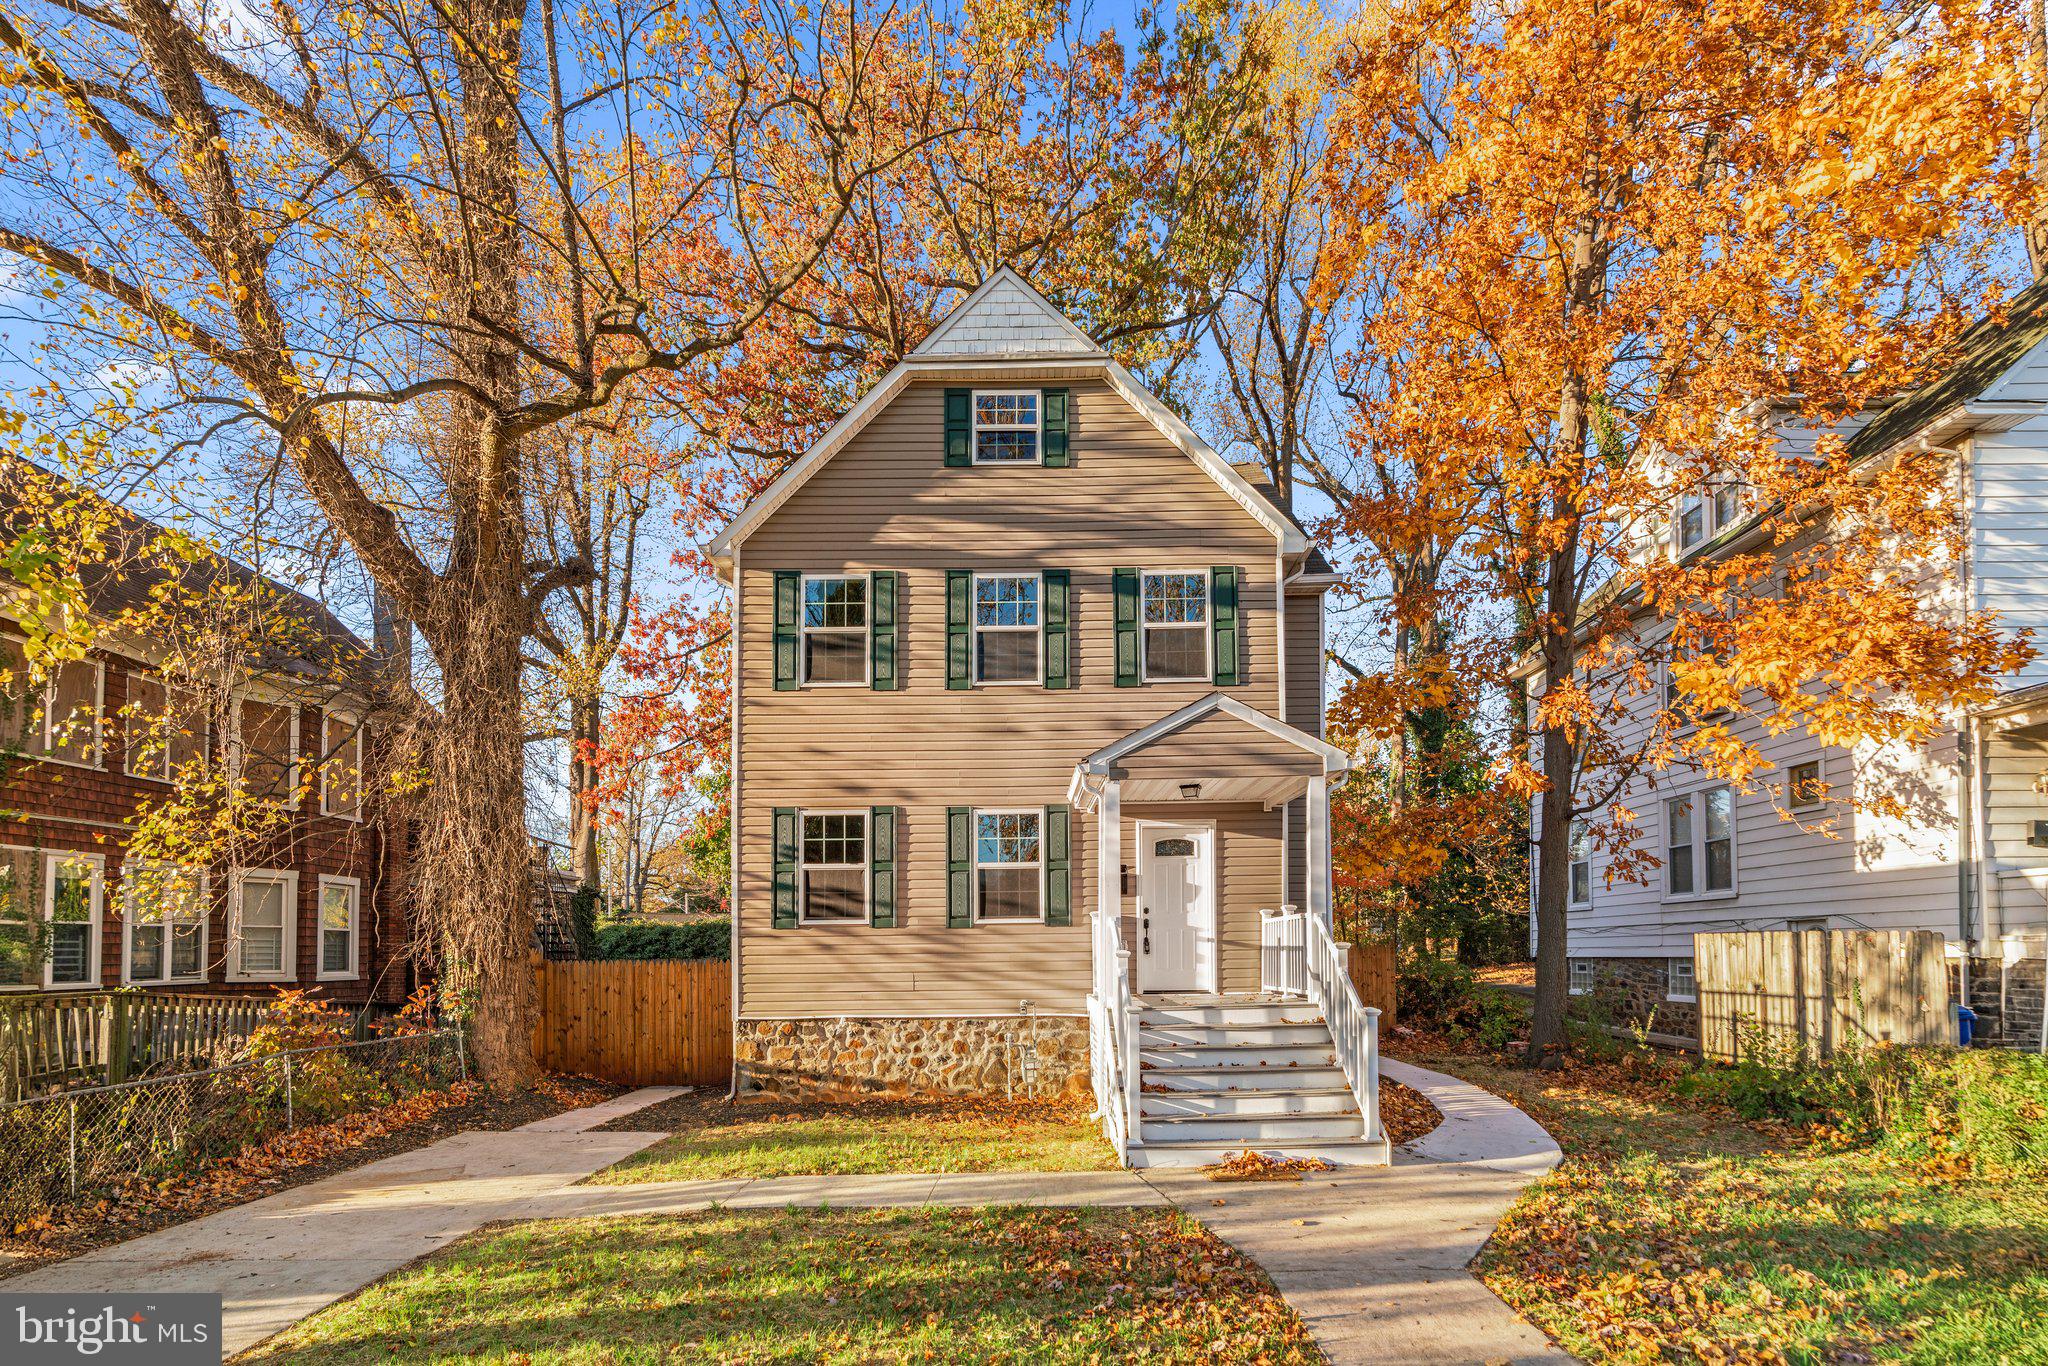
(887,501)
(1304,712)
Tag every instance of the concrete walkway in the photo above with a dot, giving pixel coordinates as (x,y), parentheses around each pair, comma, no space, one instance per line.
(278,1259)
(1373,1259)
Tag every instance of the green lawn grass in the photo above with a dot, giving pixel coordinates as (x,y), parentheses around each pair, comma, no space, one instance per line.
(1675,1234)
(716,1141)
(1009,1285)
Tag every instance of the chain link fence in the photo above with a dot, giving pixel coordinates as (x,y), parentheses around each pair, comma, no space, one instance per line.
(85,1143)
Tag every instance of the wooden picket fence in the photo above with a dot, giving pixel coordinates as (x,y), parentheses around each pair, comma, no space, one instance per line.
(638,1024)
(98,1038)
(1373,966)
(1814,991)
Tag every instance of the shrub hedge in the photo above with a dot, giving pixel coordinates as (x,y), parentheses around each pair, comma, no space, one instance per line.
(646,941)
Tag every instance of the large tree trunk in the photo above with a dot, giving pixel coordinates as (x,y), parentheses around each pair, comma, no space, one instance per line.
(1553,887)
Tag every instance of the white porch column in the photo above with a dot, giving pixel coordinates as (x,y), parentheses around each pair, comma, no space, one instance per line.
(1109,839)
(1319,848)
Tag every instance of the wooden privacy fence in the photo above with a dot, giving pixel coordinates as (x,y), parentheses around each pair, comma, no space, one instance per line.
(1815,991)
(1372,972)
(638,1024)
(98,1038)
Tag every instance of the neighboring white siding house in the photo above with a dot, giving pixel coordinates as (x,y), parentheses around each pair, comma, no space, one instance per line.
(1965,859)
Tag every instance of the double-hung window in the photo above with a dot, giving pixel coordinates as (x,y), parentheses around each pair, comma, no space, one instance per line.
(1699,843)
(832,867)
(341,903)
(1009,866)
(166,729)
(71,916)
(263,925)
(61,719)
(164,907)
(835,629)
(1706,514)
(1007,625)
(267,749)
(1006,427)
(341,766)
(1581,864)
(1175,619)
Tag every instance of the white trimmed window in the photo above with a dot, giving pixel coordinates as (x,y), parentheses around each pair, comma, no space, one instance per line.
(266,749)
(341,906)
(1699,843)
(72,897)
(1009,866)
(164,909)
(263,913)
(835,629)
(1679,984)
(166,729)
(1174,614)
(1581,975)
(1704,515)
(832,867)
(1006,427)
(20,904)
(1581,864)
(1007,641)
(341,766)
(72,700)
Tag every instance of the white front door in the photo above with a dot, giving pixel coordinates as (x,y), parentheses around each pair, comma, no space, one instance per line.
(1176,908)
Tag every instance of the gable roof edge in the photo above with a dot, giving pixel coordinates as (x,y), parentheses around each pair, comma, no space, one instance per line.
(930,347)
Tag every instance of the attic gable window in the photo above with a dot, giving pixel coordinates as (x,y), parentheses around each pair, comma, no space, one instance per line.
(1705,515)
(1006,427)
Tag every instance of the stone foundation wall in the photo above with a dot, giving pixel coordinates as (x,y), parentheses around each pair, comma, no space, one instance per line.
(2009,1005)
(1632,988)
(892,1057)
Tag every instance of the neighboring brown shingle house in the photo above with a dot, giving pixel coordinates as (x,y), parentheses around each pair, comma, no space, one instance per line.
(318,903)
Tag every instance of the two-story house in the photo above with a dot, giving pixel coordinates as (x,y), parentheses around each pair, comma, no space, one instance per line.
(1806,845)
(315,900)
(1027,713)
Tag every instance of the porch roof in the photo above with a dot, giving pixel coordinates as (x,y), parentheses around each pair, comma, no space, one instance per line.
(1224,749)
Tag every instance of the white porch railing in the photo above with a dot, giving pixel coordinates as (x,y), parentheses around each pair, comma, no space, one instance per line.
(1113,1036)
(1299,957)
(1283,952)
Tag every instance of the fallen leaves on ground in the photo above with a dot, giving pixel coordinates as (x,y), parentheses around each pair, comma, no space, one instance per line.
(1406,1112)
(1255,1166)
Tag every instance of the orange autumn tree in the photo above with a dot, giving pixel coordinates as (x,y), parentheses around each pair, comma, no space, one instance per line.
(1600,237)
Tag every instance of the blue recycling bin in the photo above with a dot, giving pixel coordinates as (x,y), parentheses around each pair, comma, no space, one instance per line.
(1966,1025)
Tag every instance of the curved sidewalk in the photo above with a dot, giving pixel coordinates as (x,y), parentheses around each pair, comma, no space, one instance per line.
(1373,1259)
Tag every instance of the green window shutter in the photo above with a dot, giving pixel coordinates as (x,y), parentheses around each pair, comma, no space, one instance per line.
(959,628)
(1058,669)
(882,629)
(786,592)
(1053,405)
(959,866)
(882,867)
(785,867)
(1124,582)
(1224,627)
(1059,881)
(959,427)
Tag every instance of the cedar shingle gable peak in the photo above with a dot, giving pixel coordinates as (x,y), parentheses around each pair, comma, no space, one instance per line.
(1005,295)
(1961,401)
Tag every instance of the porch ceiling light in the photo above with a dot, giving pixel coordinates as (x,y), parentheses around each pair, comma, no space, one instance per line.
(1190,791)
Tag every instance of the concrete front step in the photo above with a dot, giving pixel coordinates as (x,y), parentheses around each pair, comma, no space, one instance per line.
(1248,1054)
(1246,1130)
(1210,1077)
(1212,1035)
(1339,1152)
(1297,1100)
(1296,1013)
